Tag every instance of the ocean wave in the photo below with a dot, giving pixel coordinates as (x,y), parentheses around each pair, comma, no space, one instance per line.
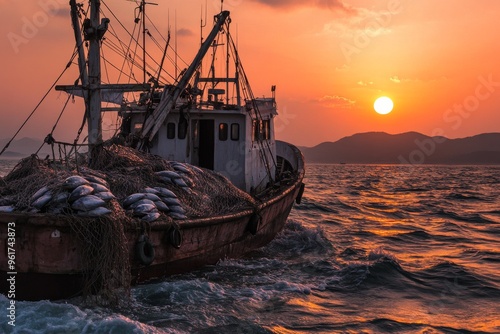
(385,325)
(465,217)
(413,236)
(467,196)
(296,239)
(411,189)
(55,317)
(451,278)
(380,266)
(315,207)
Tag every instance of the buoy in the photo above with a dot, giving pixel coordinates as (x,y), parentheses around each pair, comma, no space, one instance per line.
(174,237)
(145,250)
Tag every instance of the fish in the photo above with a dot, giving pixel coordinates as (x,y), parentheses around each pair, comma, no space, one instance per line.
(152,197)
(181,168)
(168,173)
(60,197)
(160,205)
(99,188)
(149,190)
(96,179)
(140,202)
(152,216)
(39,193)
(132,199)
(177,209)
(7,208)
(97,212)
(144,209)
(198,169)
(166,180)
(166,192)
(105,195)
(7,200)
(170,201)
(181,183)
(176,215)
(87,203)
(41,201)
(74,181)
(188,181)
(80,191)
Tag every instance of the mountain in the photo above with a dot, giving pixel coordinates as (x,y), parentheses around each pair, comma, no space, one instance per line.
(407,148)
(23,147)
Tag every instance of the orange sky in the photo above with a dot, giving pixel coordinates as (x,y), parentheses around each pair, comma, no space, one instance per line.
(330,59)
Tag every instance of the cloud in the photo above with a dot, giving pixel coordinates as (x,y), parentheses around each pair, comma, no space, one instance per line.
(184,32)
(337,102)
(395,79)
(343,68)
(325,4)
(364,83)
(364,22)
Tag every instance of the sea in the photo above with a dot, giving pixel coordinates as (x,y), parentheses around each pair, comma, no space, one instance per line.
(371,249)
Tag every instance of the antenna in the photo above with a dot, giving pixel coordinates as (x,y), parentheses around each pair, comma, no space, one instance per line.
(202,25)
(142,10)
(175,42)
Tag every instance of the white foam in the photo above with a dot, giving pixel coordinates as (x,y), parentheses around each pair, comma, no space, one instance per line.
(54,317)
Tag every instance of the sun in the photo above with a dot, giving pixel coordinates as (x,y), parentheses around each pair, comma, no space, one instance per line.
(383,105)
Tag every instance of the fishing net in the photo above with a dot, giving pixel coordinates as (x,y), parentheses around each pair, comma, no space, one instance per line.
(105,258)
(130,171)
(27,177)
(103,241)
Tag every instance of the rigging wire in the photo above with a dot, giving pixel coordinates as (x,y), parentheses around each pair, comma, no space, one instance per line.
(124,52)
(258,115)
(165,40)
(41,101)
(136,39)
(50,139)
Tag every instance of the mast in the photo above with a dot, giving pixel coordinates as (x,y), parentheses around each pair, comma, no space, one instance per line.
(155,121)
(94,31)
(84,78)
(91,88)
(227,62)
(143,8)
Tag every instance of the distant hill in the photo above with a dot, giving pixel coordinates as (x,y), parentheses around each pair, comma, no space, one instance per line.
(410,147)
(23,147)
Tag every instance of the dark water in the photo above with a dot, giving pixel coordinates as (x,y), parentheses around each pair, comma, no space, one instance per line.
(372,249)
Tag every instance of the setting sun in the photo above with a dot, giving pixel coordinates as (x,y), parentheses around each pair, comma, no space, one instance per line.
(383,105)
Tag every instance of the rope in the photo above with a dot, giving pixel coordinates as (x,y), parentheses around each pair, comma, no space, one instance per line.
(50,139)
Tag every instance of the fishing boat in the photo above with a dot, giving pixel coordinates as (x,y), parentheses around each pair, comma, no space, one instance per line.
(201,131)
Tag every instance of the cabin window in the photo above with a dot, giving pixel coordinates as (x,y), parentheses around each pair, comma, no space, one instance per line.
(223,131)
(182,130)
(170,130)
(235,131)
(266,128)
(255,130)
